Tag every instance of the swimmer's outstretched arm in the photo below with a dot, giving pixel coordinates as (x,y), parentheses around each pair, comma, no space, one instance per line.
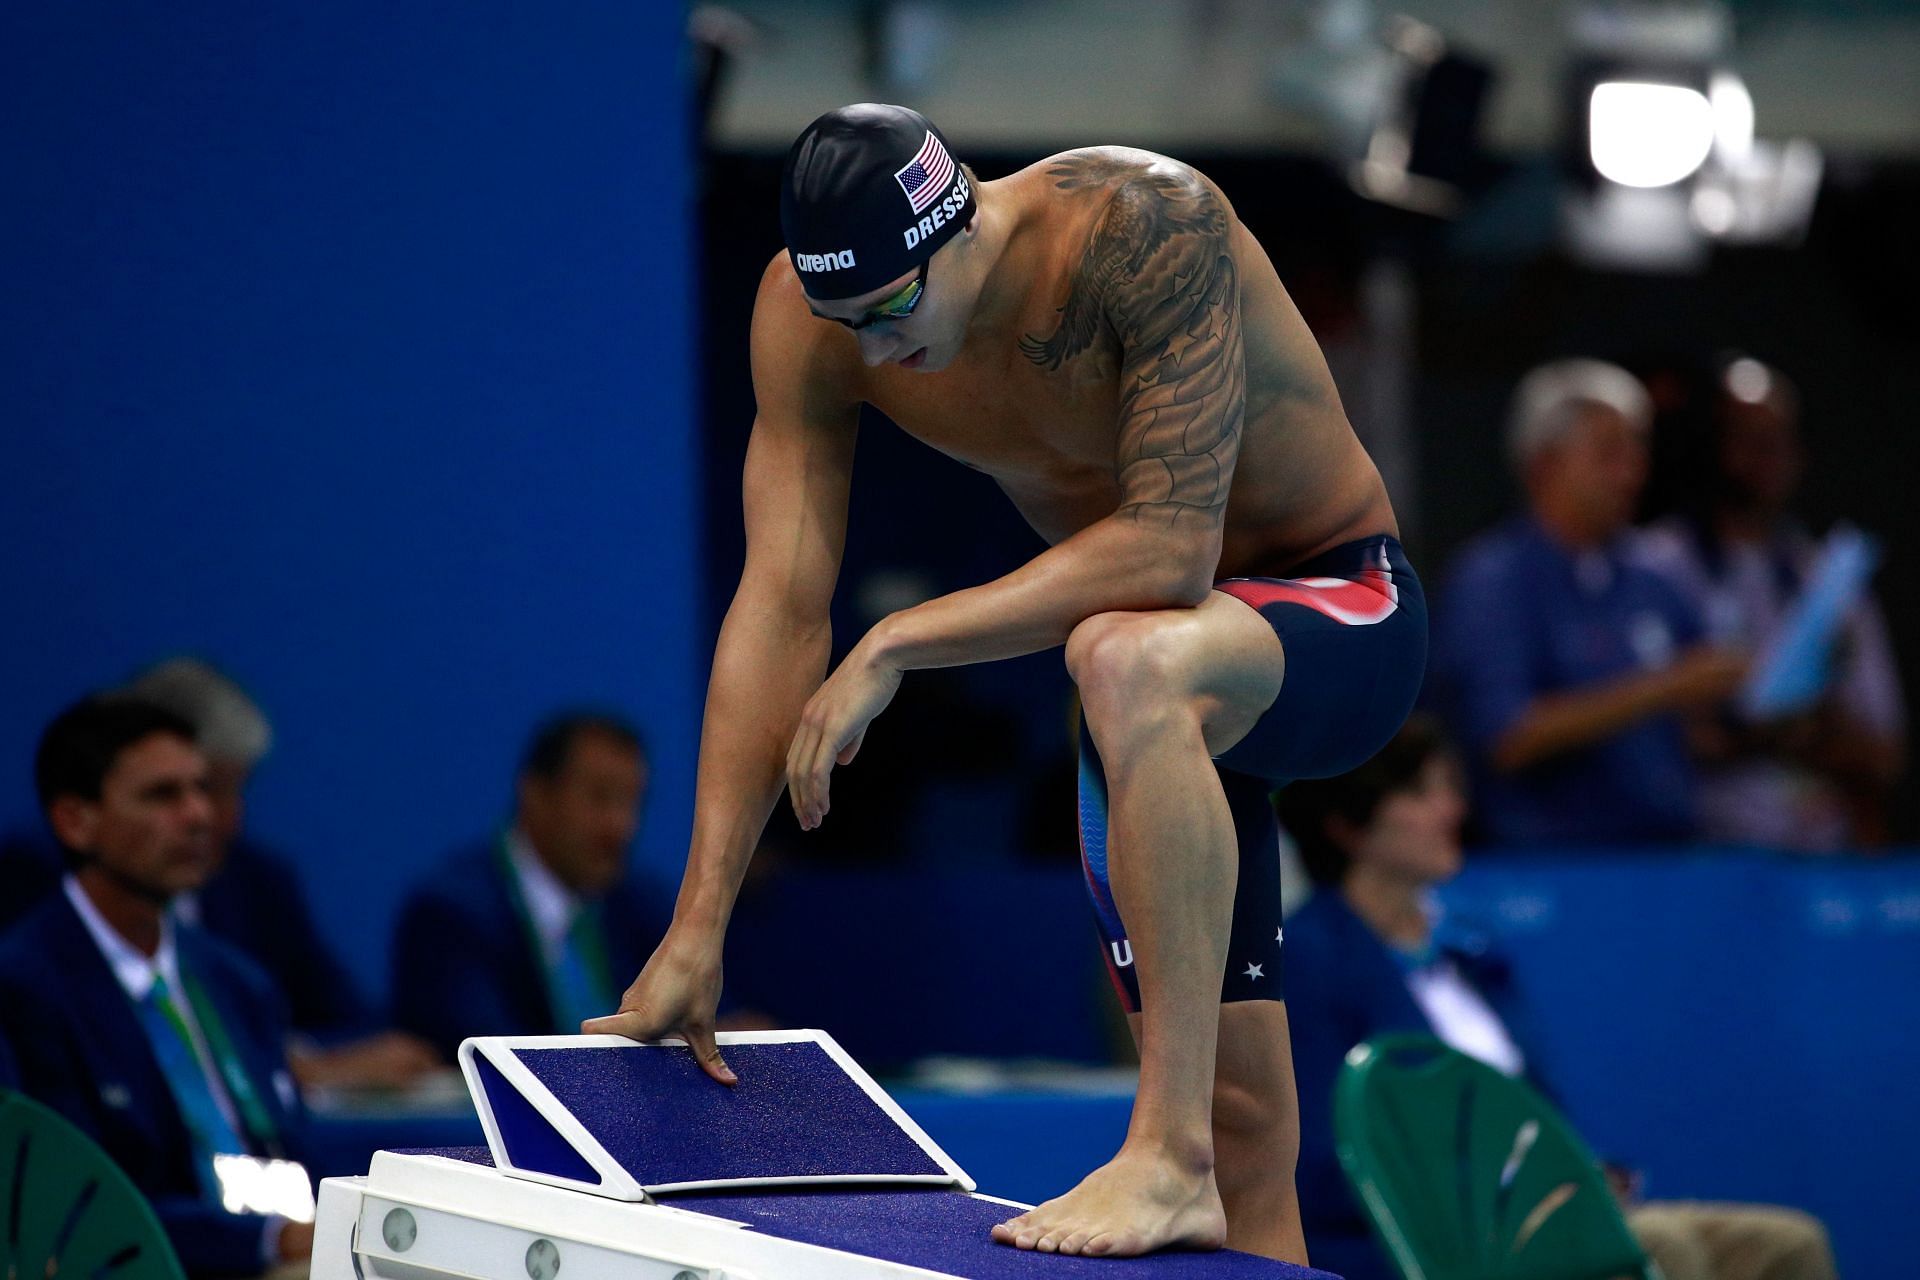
(1158,273)
(771,656)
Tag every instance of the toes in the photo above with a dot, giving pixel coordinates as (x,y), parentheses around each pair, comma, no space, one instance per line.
(1018,1233)
(1075,1243)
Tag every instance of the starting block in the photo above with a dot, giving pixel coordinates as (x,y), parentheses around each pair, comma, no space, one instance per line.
(606,1158)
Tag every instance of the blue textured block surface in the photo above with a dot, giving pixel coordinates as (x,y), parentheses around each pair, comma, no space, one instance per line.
(946,1231)
(531,1141)
(471,1155)
(794,1113)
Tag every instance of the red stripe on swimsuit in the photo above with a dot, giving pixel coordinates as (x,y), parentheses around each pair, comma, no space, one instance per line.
(1362,601)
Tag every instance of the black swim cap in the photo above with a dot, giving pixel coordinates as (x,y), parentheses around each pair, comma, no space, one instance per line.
(867,195)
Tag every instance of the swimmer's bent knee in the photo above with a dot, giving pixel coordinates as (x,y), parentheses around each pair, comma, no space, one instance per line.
(1122,661)
(1087,638)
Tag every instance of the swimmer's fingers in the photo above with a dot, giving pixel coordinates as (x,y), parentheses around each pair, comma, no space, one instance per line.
(809,764)
(707,1054)
(635,1025)
(631,1023)
(852,749)
(816,780)
(794,797)
(799,782)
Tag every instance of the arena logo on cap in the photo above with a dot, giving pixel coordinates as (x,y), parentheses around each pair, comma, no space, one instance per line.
(839,261)
(955,201)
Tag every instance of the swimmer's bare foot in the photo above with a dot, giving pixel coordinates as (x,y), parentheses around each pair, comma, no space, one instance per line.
(1133,1205)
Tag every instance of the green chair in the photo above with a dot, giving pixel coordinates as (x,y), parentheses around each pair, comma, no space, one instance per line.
(66,1210)
(1469,1175)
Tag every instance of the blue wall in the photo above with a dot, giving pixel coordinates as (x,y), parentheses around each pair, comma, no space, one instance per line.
(351,348)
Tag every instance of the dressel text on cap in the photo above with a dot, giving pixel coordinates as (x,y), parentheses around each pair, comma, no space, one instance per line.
(954,201)
(824,261)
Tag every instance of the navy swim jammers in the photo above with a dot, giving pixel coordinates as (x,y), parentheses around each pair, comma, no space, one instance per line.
(1353,622)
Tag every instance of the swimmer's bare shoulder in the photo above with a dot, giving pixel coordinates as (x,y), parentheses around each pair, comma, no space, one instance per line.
(799,465)
(1150,296)
(1157,250)
(1090,177)
(800,363)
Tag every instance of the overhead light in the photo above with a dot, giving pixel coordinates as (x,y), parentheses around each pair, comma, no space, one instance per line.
(1648,135)
(1764,197)
(1748,380)
(1732,116)
(1715,211)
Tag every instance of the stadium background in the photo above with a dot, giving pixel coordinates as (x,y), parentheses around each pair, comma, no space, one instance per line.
(395,361)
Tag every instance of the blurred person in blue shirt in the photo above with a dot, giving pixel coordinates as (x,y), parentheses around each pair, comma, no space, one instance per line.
(1375,953)
(532,931)
(1568,669)
(1820,780)
(161,1042)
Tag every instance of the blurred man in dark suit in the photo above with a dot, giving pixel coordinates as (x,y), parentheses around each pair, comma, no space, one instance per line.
(161,1042)
(534,930)
(338,1036)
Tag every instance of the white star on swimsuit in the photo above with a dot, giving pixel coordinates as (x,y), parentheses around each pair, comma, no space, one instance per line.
(1254,971)
(1277,934)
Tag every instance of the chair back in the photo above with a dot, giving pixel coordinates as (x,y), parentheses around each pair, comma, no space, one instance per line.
(66,1209)
(1467,1174)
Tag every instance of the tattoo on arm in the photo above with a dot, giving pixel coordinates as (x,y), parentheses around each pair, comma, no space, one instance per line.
(1158,280)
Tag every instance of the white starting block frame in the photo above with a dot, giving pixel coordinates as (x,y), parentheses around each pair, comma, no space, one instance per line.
(424,1217)
(468,1215)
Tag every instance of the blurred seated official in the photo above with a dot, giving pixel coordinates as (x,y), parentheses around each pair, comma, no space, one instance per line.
(163,1043)
(1820,781)
(337,1037)
(1567,669)
(533,931)
(1372,953)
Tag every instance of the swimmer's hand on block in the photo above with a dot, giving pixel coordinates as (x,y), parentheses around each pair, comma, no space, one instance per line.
(676,995)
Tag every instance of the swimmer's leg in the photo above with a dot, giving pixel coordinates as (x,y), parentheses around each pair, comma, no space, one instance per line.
(1162,693)
(1256,1131)
(1256,1118)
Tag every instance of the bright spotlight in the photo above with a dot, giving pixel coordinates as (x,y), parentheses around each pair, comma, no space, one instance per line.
(1649,135)
(1732,116)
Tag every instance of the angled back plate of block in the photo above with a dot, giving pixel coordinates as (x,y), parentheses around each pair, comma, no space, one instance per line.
(607,1115)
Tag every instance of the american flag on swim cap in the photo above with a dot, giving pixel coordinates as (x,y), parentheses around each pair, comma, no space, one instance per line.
(926,176)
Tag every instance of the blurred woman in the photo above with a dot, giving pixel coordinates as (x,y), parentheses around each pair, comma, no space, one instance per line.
(1372,953)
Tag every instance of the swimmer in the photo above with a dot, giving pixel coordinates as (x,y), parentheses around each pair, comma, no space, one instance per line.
(1102,336)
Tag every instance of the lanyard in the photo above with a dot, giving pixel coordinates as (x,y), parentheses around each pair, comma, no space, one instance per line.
(585,930)
(254,1116)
